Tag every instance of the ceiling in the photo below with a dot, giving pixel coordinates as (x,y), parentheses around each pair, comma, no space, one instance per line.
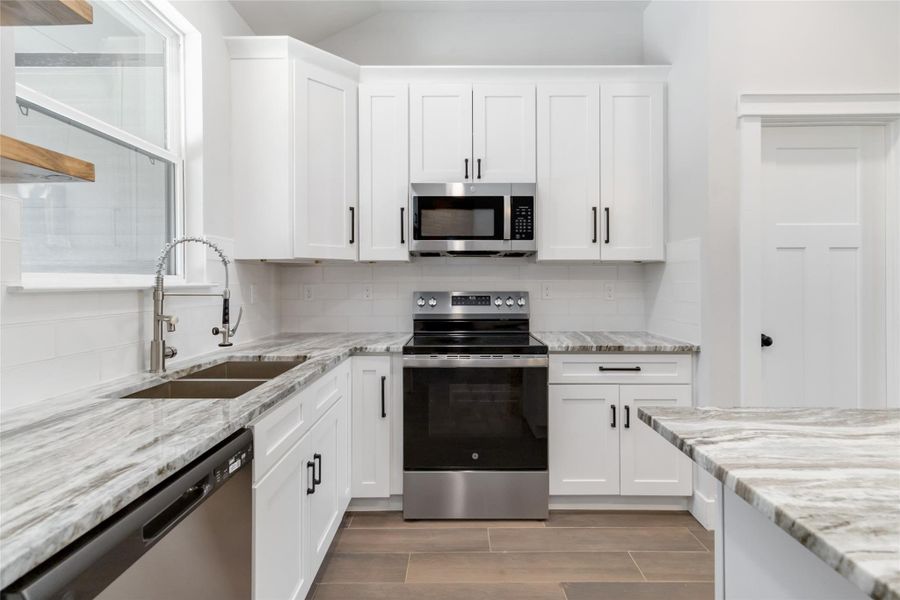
(315,20)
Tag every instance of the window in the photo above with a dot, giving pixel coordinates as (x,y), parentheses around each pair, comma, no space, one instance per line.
(109,93)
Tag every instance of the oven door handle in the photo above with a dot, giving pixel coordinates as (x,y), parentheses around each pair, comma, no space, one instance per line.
(453,362)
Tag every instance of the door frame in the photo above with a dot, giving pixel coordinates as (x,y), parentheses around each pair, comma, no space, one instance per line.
(756,111)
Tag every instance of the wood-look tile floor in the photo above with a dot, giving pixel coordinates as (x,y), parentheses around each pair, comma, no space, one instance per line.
(574,555)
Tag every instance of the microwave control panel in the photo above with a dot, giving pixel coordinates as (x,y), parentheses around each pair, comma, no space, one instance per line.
(522,226)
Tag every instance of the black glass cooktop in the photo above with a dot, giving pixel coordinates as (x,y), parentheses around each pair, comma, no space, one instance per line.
(497,343)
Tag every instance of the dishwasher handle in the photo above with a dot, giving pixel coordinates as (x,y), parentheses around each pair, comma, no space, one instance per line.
(171,515)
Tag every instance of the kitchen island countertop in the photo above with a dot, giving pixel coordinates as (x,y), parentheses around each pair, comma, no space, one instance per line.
(828,477)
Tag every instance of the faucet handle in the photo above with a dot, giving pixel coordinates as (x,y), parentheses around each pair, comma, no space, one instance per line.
(170,323)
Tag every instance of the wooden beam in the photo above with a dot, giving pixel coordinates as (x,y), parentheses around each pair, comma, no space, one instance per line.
(46,12)
(21,162)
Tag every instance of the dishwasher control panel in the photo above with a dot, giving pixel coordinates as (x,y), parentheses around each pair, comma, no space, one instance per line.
(235,462)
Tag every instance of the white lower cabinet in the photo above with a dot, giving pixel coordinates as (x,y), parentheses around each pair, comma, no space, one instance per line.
(649,465)
(584,440)
(598,445)
(299,501)
(371,431)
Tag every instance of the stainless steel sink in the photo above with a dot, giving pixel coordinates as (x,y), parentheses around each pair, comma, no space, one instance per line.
(199,388)
(245,369)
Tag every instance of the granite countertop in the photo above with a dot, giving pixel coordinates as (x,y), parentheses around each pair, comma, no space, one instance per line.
(828,477)
(73,461)
(611,341)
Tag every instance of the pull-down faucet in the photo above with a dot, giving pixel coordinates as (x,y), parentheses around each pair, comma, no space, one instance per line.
(159,351)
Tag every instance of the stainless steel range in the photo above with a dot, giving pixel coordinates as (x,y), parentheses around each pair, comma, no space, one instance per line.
(474,409)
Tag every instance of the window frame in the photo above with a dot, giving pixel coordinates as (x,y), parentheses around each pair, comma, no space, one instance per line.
(162,17)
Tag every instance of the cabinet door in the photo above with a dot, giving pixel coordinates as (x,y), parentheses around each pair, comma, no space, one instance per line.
(324,512)
(383,172)
(632,133)
(372,399)
(280,559)
(568,171)
(584,439)
(440,133)
(650,465)
(503,133)
(325,155)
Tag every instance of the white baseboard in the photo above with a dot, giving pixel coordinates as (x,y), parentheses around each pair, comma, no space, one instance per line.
(703,508)
(563,503)
(619,502)
(374,504)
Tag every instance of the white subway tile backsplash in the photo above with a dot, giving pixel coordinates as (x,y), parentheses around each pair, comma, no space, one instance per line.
(575,293)
(21,344)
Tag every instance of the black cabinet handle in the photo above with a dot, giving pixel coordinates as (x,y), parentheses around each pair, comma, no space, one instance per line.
(383,413)
(766,341)
(613,424)
(467,169)
(627,416)
(594,213)
(602,368)
(317,479)
(352,224)
(310,489)
(402,224)
(479,168)
(606,213)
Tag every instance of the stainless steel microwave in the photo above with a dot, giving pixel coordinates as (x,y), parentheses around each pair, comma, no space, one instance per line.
(472,219)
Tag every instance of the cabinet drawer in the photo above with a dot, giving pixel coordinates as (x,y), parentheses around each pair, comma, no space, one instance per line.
(620,368)
(279,429)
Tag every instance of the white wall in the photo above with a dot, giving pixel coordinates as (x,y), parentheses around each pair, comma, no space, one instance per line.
(56,342)
(401,37)
(333,298)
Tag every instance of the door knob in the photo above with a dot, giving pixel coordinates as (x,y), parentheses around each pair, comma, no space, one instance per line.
(766,341)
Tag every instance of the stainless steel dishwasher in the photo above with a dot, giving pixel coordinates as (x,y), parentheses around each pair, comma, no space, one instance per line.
(188,537)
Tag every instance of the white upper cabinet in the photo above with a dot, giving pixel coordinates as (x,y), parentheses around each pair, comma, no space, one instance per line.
(324,164)
(294,151)
(632,134)
(568,171)
(440,133)
(383,172)
(503,133)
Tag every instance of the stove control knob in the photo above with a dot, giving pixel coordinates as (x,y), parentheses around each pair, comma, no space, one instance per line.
(509,301)
(432,302)
(521,301)
(420,301)
(498,301)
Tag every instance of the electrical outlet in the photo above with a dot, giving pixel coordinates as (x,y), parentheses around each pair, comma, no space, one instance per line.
(307,292)
(252,293)
(367,292)
(546,292)
(609,291)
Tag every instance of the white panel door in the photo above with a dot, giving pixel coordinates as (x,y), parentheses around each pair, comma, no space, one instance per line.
(383,171)
(321,451)
(651,466)
(440,133)
(823,266)
(568,171)
(325,155)
(632,190)
(503,133)
(583,448)
(372,399)
(280,559)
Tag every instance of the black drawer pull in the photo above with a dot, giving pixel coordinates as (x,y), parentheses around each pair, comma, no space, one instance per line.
(606,210)
(402,225)
(613,424)
(631,369)
(317,479)
(383,413)
(479,168)
(467,169)
(352,225)
(594,219)
(310,489)
(627,416)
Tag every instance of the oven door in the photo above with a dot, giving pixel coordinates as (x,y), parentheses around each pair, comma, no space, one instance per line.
(475,414)
(442,223)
